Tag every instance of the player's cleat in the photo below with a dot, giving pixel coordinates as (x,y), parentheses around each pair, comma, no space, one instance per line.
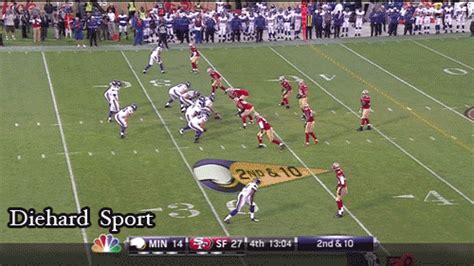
(244,125)
(369,127)
(163,72)
(316,141)
(287,107)
(181,131)
(306,143)
(122,136)
(167,106)
(261,146)
(144,71)
(226,221)
(196,140)
(251,122)
(255,220)
(360,129)
(281,146)
(109,119)
(338,215)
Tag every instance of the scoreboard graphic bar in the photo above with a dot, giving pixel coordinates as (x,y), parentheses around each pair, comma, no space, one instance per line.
(236,245)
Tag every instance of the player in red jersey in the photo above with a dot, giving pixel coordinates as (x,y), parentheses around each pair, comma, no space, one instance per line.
(266,129)
(302,94)
(216,80)
(195,55)
(285,92)
(240,94)
(309,124)
(341,188)
(245,110)
(365,111)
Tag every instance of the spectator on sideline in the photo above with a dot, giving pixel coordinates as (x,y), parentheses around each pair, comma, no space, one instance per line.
(235,25)
(318,24)
(259,26)
(409,20)
(92,26)
(309,25)
(55,22)
(24,23)
(36,24)
(78,28)
(9,22)
(44,26)
(68,20)
(197,32)
(137,24)
(210,29)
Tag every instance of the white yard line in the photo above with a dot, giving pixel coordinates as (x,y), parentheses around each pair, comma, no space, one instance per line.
(176,145)
(406,83)
(378,131)
(68,160)
(306,166)
(443,55)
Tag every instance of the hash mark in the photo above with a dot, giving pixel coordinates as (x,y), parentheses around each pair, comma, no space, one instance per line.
(38,124)
(17,125)
(295,113)
(332,111)
(453,137)
(369,141)
(157,151)
(43,156)
(180,118)
(277,114)
(222,147)
(348,142)
(112,152)
(90,153)
(428,108)
(390,109)
(243,146)
(432,138)
(141,119)
(101,121)
(80,122)
(327,143)
(19,157)
(408,108)
(201,148)
(411,139)
(135,151)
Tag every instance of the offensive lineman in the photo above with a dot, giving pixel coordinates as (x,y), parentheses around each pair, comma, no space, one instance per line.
(198,124)
(112,98)
(365,111)
(176,92)
(341,188)
(122,118)
(246,196)
(155,58)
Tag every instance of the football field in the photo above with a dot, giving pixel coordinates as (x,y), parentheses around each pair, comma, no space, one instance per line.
(409,179)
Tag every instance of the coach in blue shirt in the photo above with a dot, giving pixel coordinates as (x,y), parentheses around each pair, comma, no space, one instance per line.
(92,26)
(259,26)
(236,26)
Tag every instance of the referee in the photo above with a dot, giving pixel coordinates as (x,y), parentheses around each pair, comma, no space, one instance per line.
(163,35)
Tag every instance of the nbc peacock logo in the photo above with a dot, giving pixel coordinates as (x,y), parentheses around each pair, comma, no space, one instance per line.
(106,244)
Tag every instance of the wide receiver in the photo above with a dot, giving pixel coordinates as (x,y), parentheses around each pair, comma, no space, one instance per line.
(341,188)
(309,124)
(155,58)
(195,55)
(285,92)
(246,196)
(365,111)
(266,129)
(122,118)
(216,80)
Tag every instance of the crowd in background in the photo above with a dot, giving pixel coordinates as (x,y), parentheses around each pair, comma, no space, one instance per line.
(221,24)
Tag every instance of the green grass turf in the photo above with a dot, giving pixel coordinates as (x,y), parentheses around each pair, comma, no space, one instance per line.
(128,182)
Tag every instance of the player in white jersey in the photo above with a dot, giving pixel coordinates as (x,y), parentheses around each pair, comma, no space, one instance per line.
(418,18)
(123,22)
(155,58)
(298,21)
(112,98)
(359,21)
(271,19)
(222,27)
(346,14)
(198,124)
(287,25)
(220,7)
(279,24)
(169,19)
(122,118)
(448,18)
(243,19)
(460,12)
(176,91)
(251,26)
(438,14)
(427,13)
(246,196)
(193,110)
(187,99)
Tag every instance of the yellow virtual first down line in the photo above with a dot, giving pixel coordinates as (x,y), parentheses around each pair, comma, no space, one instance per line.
(373,87)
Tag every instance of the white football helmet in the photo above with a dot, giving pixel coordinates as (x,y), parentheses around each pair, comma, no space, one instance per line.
(365,92)
(335,166)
